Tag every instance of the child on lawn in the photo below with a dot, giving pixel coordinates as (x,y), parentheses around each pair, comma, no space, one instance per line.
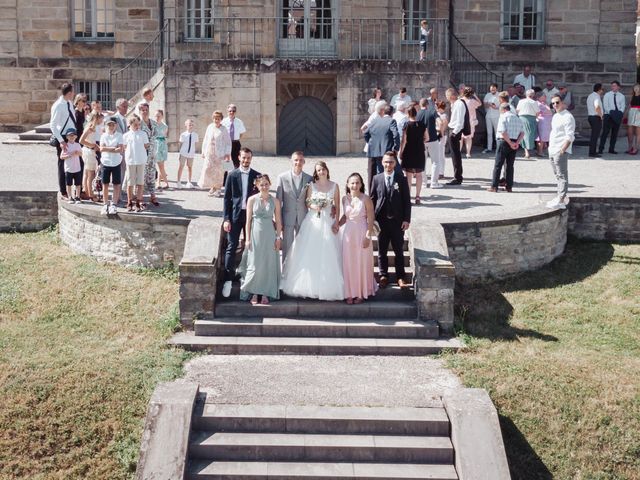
(72,168)
(188,141)
(111,150)
(136,143)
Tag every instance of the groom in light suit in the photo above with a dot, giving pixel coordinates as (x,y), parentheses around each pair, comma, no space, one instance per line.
(291,191)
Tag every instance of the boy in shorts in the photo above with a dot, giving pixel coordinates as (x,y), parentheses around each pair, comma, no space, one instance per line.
(72,168)
(111,156)
(188,140)
(136,143)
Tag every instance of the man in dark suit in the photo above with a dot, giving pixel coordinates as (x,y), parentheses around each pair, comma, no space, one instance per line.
(392,200)
(238,188)
(381,136)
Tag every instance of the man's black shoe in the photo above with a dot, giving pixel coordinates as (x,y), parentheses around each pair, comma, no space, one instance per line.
(454,182)
(613,152)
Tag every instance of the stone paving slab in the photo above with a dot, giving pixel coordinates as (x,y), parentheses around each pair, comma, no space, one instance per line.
(331,381)
(33,167)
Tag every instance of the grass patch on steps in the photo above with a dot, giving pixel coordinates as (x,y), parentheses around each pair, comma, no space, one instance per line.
(559,352)
(81,350)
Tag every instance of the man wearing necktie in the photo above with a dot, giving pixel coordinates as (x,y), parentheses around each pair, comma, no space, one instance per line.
(392,205)
(62,120)
(236,129)
(614,104)
(238,188)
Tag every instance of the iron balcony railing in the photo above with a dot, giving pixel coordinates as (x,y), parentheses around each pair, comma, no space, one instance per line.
(226,38)
(467,69)
(130,79)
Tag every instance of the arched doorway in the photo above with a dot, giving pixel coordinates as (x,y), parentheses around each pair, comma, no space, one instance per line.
(306,124)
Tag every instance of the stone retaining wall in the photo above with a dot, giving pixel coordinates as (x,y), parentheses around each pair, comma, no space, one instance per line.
(499,248)
(613,219)
(125,239)
(27,211)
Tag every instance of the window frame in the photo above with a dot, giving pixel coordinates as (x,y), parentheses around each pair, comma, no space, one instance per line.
(505,23)
(94,91)
(93,21)
(410,15)
(189,21)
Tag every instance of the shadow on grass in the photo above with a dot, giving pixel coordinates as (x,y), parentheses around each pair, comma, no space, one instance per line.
(524,462)
(483,311)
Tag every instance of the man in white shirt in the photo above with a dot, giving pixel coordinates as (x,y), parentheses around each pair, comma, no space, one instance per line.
(236,130)
(120,116)
(595,114)
(492,107)
(400,116)
(613,106)
(509,134)
(549,91)
(400,97)
(563,131)
(62,120)
(526,78)
(460,124)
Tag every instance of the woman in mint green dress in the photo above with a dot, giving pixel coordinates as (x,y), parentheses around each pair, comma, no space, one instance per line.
(260,265)
(161,149)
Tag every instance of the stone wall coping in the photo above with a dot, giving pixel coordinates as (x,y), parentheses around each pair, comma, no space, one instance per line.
(609,198)
(202,243)
(93,212)
(526,215)
(430,245)
(165,439)
(476,435)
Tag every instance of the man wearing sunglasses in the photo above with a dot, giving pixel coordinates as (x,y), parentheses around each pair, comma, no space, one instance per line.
(563,129)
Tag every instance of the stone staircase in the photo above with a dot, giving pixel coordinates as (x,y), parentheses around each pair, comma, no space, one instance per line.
(308,442)
(384,325)
(39,135)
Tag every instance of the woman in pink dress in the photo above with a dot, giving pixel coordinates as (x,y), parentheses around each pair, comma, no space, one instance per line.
(473,103)
(544,124)
(357,249)
(216,148)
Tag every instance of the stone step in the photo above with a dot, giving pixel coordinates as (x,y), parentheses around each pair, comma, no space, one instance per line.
(289,327)
(282,447)
(315,419)
(207,470)
(45,128)
(405,245)
(305,308)
(392,260)
(235,345)
(32,135)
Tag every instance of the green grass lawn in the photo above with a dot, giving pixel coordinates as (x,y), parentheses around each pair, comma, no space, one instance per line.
(81,349)
(559,352)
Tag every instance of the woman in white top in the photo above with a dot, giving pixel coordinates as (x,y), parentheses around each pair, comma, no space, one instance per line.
(216,149)
(491,106)
(528,111)
(375,98)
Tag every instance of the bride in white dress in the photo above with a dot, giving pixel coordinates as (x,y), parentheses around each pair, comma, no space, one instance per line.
(313,268)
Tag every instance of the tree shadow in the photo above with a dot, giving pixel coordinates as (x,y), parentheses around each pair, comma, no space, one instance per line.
(524,462)
(483,311)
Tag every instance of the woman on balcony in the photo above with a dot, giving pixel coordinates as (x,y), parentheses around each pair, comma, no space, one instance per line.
(216,149)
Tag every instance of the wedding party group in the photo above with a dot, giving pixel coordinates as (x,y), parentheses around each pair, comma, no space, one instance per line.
(308,240)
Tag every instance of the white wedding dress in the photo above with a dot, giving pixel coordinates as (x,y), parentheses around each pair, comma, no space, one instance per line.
(313,268)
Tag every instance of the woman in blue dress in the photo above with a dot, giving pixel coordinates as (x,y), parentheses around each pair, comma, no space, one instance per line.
(260,265)
(161,149)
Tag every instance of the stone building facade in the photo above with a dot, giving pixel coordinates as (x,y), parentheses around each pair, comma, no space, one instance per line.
(300,71)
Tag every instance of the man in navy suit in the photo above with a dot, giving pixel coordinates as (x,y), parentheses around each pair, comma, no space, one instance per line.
(237,189)
(381,136)
(392,200)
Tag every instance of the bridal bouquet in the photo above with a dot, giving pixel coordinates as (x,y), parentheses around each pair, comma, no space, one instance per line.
(320,200)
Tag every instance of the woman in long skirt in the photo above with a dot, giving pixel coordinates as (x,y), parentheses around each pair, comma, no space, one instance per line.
(216,148)
(260,265)
(528,111)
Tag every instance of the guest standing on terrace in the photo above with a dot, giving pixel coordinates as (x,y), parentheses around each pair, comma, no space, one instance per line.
(150,127)
(236,130)
(62,120)
(633,121)
(528,111)
(216,150)
(563,128)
